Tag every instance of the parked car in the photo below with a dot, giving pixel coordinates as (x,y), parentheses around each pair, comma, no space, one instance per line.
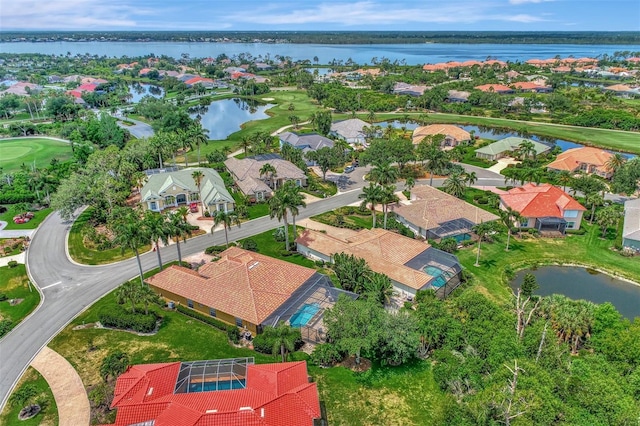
(349,169)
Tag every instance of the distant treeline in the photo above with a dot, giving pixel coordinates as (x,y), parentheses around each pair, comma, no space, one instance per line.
(335,37)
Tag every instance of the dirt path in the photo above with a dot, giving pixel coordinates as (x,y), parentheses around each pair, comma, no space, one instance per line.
(66,386)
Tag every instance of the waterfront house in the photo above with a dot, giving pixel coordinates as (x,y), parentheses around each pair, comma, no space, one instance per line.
(631,227)
(504,147)
(586,159)
(543,207)
(351,131)
(305,142)
(453,135)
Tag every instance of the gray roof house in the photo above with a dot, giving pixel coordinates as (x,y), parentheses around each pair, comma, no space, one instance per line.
(351,130)
(172,189)
(500,148)
(307,142)
(631,227)
(246,174)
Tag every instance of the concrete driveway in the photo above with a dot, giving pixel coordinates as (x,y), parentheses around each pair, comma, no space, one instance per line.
(14,233)
(139,130)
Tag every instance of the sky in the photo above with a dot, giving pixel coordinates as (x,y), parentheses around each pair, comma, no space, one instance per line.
(322,15)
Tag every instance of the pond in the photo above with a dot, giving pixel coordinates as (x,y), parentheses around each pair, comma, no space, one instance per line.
(584,283)
(140,90)
(496,134)
(225,117)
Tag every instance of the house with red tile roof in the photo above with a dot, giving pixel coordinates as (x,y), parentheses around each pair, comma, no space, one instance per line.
(411,265)
(586,159)
(497,88)
(528,86)
(543,207)
(249,290)
(224,392)
(203,81)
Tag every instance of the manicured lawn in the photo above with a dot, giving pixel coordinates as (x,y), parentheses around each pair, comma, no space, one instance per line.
(268,246)
(255,210)
(587,250)
(38,217)
(88,256)
(16,152)
(14,284)
(49,414)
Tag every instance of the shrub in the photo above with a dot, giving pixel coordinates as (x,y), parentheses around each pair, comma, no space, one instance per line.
(12,264)
(482,200)
(250,245)
(5,326)
(233,333)
(325,354)
(3,297)
(118,317)
(278,234)
(215,249)
(264,342)
(580,231)
(201,317)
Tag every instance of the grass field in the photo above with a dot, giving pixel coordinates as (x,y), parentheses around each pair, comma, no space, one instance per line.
(16,152)
(49,414)
(38,217)
(14,285)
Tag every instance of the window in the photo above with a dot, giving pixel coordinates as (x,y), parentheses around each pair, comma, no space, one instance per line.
(190,303)
(169,200)
(298,182)
(571,225)
(154,205)
(194,196)
(571,213)
(239,322)
(524,221)
(212,312)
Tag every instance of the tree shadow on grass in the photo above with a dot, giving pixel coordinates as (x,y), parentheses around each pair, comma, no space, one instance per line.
(488,263)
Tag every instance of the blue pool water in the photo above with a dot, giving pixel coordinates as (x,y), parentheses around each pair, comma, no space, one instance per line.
(304,314)
(436,272)
(217,386)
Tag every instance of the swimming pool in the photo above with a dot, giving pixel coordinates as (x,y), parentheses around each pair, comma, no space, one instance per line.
(217,385)
(439,280)
(304,314)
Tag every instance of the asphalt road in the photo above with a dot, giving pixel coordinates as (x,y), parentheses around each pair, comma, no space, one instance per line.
(139,129)
(69,288)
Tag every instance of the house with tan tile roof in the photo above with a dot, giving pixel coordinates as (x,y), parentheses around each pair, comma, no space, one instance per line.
(453,135)
(586,159)
(249,290)
(529,86)
(411,265)
(434,214)
(246,174)
(544,207)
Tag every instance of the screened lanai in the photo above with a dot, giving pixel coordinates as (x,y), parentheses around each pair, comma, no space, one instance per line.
(212,375)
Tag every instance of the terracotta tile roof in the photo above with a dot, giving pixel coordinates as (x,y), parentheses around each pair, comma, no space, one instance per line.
(432,207)
(528,85)
(385,252)
(618,88)
(572,158)
(242,283)
(540,201)
(275,395)
(498,88)
(453,64)
(440,129)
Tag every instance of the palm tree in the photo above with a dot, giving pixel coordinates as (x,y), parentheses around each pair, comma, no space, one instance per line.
(186,144)
(388,196)
(437,159)
(198,135)
(245,143)
(296,200)
(470,178)
(157,230)
(371,117)
(371,195)
(129,292)
(509,216)
(379,287)
(409,183)
(178,228)
(564,178)
(131,233)
(270,171)
(284,340)
(227,219)
(455,184)
(146,296)
(278,208)
(527,148)
(615,162)
(182,211)
(481,230)
(384,174)
(197,176)
(594,199)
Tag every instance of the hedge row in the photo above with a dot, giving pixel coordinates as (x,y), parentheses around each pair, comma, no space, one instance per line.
(215,249)
(264,342)
(118,317)
(232,331)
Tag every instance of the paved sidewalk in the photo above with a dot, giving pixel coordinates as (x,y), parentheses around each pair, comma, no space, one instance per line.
(14,233)
(4,261)
(66,386)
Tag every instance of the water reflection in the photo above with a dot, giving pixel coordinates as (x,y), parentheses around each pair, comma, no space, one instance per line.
(225,117)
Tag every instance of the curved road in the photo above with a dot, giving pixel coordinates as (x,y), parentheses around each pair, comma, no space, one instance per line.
(69,288)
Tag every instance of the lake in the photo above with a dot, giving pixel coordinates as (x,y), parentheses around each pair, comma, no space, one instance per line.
(581,283)
(140,90)
(360,53)
(225,117)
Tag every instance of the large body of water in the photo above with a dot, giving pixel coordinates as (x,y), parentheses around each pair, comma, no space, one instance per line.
(360,53)
(580,283)
(222,118)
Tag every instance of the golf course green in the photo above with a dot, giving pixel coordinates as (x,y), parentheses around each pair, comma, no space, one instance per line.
(17,151)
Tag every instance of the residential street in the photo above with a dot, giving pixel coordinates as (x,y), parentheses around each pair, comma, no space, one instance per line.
(69,288)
